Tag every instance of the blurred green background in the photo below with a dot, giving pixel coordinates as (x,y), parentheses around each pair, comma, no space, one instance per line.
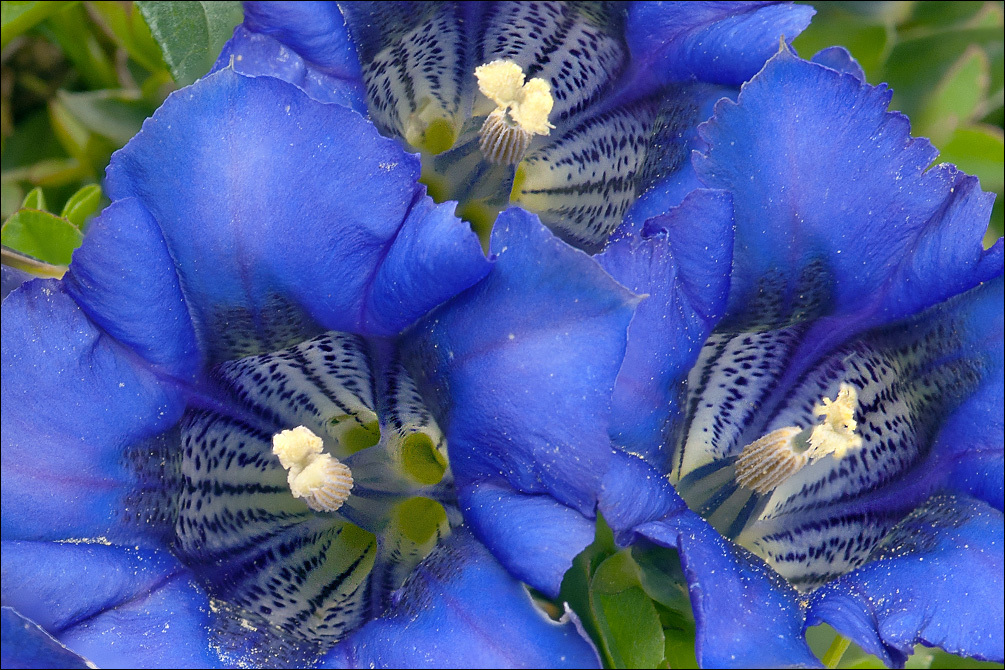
(79,78)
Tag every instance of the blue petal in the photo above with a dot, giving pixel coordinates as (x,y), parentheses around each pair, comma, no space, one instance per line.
(683,267)
(73,401)
(716,42)
(747,615)
(936,580)
(171,622)
(534,536)
(839,58)
(61,584)
(520,368)
(971,442)
(884,240)
(303,43)
(461,608)
(669,187)
(115,606)
(288,216)
(11,279)
(26,645)
(635,492)
(125,281)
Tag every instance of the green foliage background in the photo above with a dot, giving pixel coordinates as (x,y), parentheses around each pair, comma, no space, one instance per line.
(79,78)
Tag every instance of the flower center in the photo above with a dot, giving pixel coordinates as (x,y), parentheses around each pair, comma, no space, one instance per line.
(319,478)
(521,111)
(526,103)
(809,459)
(767,462)
(305,486)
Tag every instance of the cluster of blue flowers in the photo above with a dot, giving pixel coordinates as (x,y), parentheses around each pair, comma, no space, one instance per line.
(752,325)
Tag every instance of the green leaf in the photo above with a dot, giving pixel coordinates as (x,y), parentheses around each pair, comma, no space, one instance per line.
(575,588)
(978,150)
(941,659)
(127,27)
(74,32)
(678,648)
(34,200)
(942,14)
(82,204)
(630,629)
(916,66)
(662,579)
(115,114)
(41,235)
(191,34)
(17,17)
(956,98)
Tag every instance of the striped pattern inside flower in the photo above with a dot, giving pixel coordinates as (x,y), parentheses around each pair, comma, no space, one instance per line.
(561,141)
(306,500)
(790,455)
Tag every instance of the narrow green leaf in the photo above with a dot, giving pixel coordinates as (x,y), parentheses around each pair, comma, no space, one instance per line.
(17,17)
(34,200)
(917,65)
(942,14)
(954,101)
(74,31)
(115,114)
(941,659)
(191,34)
(575,588)
(629,624)
(661,577)
(82,204)
(41,235)
(678,647)
(11,195)
(867,38)
(127,27)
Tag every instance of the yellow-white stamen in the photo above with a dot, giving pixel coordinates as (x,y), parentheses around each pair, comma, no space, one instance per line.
(768,461)
(319,478)
(836,435)
(521,112)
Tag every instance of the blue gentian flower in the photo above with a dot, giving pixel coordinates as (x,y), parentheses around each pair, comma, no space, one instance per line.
(841,417)
(183,411)
(808,408)
(626,85)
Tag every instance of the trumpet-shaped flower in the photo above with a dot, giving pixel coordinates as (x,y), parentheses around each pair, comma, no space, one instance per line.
(214,450)
(583,113)
(809,404)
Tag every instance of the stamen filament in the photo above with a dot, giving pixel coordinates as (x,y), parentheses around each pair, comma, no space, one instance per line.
(767,462)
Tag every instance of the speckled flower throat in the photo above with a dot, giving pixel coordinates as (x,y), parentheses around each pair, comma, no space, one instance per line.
(788,451)
(520,102)
(309,495)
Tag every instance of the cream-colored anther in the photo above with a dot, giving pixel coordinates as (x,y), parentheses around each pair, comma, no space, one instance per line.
(319,478)
(836,434)
(768,461)
(521,112)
